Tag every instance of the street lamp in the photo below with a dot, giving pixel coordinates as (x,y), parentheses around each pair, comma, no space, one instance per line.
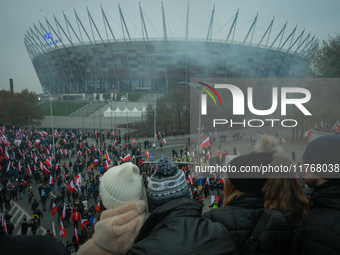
(51,120)
(199,115)
(154,124)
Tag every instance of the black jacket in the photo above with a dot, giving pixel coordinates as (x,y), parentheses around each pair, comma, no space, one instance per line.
(178,227)
(240,218)
(319,232)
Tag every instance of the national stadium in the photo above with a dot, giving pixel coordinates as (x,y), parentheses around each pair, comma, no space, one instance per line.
(84,55)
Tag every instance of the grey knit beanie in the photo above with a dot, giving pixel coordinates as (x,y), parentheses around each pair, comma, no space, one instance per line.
(166,184)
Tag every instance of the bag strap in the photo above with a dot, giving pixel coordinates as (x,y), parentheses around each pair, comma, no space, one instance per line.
(257,231)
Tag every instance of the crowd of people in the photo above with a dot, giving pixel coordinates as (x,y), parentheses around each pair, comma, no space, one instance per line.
(145,209)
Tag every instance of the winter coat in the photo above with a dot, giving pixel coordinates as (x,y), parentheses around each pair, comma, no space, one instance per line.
(116,230)
(75,216)
(24,227)
(178,227)
(240,218)
(319,232)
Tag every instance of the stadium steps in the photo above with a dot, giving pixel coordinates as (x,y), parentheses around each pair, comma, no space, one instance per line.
(87,110)
(18,215)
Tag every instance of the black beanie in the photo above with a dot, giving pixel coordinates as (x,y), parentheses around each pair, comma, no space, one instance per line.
(324,152)
(251,182)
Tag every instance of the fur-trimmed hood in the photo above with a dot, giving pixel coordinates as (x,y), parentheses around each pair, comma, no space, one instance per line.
(116,230)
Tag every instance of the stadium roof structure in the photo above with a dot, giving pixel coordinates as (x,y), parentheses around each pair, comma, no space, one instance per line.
(80,56)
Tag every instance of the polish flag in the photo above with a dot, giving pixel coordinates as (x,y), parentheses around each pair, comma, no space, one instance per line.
(71,187)
(19,166)
(29,143)
(76,235)
(164,142)
(79,153)
(99,152)
(127,157)
(190,179)
(107,156)
(36,159)
(147,154)
(78,177)
(106,164)
(9,166)
(206,142)
(64,212)
(221,179)
(214,198)
(283,140)
(96,133)
(95,162)
(53,229)
(51,180)
(62,229)
(24,183)
(56,167)
(20,154)
(44,133)
(97,207)
(49,146)
(37,141)
(208,154)
(121,159)
(84,222)
(321,123)
(3,223)
(48,161)
(202,135)
(113,133)
(115,143)
(207,181)
(308,133)
(54,209)
(65,152)
(29,170)
(44,168)
(6,154)
(134,143)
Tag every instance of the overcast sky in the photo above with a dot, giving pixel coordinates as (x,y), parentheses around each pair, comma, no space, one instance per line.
(321,18)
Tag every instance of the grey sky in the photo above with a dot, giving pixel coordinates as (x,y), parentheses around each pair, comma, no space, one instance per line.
(16,16)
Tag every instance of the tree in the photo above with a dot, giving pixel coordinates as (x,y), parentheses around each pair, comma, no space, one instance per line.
(20,109)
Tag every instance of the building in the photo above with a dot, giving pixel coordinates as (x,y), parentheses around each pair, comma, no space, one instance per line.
(69,58)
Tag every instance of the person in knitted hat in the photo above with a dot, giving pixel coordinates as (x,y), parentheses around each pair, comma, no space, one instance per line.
(122,212)
(243,207)
(319,232)
(175,225)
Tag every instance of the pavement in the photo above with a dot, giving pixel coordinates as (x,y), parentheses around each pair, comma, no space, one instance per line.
(21,208)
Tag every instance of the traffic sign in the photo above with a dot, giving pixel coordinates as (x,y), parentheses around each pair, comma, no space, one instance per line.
(151,156)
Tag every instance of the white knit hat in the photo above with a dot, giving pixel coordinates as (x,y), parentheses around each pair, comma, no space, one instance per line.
(120,185)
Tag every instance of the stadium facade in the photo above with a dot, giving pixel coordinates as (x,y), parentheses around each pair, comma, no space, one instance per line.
(70,58)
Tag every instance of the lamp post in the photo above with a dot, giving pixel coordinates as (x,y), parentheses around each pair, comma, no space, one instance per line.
(154,123)
(199,116)
(51,121)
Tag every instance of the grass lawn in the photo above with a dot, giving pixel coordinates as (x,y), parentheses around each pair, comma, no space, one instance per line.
(62,108)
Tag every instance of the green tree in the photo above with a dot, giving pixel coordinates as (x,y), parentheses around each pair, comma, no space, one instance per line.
(20,109)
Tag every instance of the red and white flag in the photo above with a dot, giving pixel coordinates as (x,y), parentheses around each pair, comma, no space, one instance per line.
(222,179)
(283,140)
(44,168)
(133,143)
(127,157)
(53,229)
(84,222)
(190,179)
(214,198)
(78,177)
(76,235)
(98,207)
(37,141)
(48,161)
(207,181)
(96,133)
(64,212)
(71,187)
(106,164)
(99,152)
(147,154)
(44,133)
(308,133)
(9,166)
(62,229)
(206,142)
(54,209)
(115,143)
(29,170)
(79,153)
(6,154)
(202,135)
(19,166)
(51,180)
(164,142)
(3,223)
(25,183)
